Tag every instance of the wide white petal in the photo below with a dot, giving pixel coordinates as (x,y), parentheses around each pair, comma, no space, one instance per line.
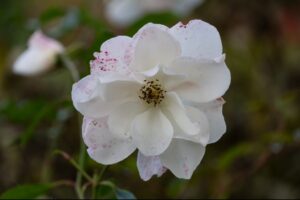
(182,157)
(198,39)
(152,132)
(112,58)
(200,120)
(149,166)
(213,112)
(95,99)
(34,61)
(206,79)
(120,90)
(153,46)
(173,107)
(103,147)
(121,117)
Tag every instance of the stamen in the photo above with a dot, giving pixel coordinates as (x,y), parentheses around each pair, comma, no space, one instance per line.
(152,92)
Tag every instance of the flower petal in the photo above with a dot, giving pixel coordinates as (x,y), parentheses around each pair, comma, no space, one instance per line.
(40,41)
(34,61)
(121,117)
(213,112)
(111,58)
(152,132)
(198,39)
(94,99)
(206,79)
(120,90)
(182,157)
(172,106)
(199,119)
(85,97)
(102,146)
(149,166)
(153,46)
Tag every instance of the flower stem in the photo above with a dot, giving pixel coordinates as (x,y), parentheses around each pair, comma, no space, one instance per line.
(70,66)
(79,174)
(95,184)
(75,76)
(102,171)
(76,165)
(97,178)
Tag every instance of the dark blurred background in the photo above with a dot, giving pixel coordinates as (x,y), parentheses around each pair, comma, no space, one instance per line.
(258,157)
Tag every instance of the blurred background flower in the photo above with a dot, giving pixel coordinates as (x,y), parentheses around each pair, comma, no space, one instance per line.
(39,57)
(259,155)
(125,12)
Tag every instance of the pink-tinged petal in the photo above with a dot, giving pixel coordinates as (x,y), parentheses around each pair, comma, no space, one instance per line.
(174,109)
(149,166)
(198,39)
(152,132)
(182,157)
(206,79)
(120,119)
(213,112)
(153,46)
(112,57)
(40,41)
(103,147)
(85,89)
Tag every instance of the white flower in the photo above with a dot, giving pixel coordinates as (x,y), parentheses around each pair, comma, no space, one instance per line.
(125,12)
(158,92)
(40,56)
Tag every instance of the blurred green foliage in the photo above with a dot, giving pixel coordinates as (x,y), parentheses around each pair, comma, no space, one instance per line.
(26,191)
(259,155)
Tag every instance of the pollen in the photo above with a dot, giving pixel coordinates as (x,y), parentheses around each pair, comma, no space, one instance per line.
(152,92)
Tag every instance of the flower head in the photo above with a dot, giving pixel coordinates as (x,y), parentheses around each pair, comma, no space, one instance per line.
(39,57)
(159,92)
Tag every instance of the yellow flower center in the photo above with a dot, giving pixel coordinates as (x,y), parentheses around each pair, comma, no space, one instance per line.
(152,92)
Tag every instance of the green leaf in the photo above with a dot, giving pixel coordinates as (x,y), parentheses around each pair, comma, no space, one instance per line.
(117,192)
(124,194)
(28,191)
(106,190)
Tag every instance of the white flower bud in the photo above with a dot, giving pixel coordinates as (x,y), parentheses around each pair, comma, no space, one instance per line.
(39,57)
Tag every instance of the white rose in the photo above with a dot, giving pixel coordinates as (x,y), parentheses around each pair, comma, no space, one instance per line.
(158,92)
